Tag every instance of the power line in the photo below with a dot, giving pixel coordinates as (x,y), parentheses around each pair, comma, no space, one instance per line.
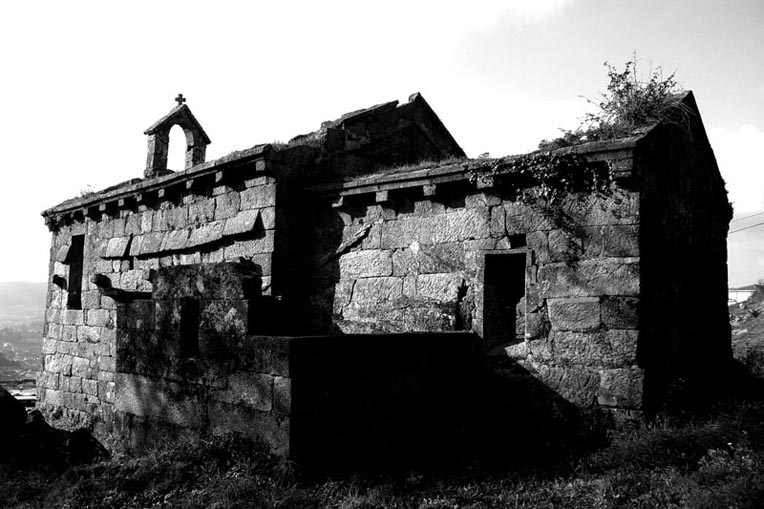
(745,228)
(746,217)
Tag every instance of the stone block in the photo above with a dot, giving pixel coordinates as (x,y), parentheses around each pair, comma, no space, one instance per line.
(577,314)
(48,380)
(257,181)
(204,234)
(134,281)
(622,207)
(612,348)
(49,346)
(268,217)
(282,395)
(151,243)
(73,317)
(106,390)
(190,258)
(253,390)
(480,200)
(377,212)
(177,218)
(133,224)
(258,197)
(175,240)
(52,397)
(53,315)
(521,218)
(161,400)
(377,289)
(159,221)
(621,240)
(498,217)
(216,281)
(538,242)
(405,231)
(265,427)
(264,262)
(147,221)
(577,385)
(214,256)
(71,384)
(564,246)
(620,312)
(60,269)
(439,287)
(90,387)
(621,387)
(168,314)
(107,364)
(98,318)
(224,316)
(428,207)
(135,249)
(87,334)
(227,205)
(606,276)
(405,261)
(343,292)
(81,367)
(251,247)
(366,263)
(62,253)
(440,258)
(461,225)
(69,333)
(201,212)
(243,222)
(91,299)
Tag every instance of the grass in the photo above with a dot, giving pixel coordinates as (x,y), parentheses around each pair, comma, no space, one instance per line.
(715,461)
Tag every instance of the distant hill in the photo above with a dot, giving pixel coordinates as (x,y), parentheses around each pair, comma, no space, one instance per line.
(22,302)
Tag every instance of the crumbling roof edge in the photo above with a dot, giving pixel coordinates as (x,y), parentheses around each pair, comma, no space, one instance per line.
(134,186)
(452,171)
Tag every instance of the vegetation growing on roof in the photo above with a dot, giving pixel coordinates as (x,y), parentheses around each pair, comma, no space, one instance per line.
(631,102)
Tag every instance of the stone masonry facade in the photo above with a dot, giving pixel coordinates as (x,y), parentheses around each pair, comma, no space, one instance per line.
(372,227)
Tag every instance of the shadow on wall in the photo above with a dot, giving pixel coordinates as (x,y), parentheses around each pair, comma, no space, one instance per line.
(383,416)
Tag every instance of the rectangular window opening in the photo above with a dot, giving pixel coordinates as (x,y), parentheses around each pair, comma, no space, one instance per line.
(74,260)
(503,302)
(189,328)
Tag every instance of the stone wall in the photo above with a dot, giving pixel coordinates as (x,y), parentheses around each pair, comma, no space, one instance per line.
(185,360)
(208,222)
(685,337)
(418,263)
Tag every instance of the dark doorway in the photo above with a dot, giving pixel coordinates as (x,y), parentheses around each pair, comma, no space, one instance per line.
(504,289)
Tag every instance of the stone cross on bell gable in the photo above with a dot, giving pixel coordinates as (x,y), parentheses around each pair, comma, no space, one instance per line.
(180,99)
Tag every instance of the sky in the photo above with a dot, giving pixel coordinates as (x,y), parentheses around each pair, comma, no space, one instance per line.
(80,81)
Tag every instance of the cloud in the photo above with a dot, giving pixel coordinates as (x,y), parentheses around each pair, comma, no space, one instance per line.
(738,156)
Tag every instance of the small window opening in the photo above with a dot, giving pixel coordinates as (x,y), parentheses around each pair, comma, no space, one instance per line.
(74,260)
(176,151)
(503,303)
(189,328)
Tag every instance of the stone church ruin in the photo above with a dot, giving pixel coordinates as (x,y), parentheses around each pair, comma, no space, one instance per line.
(344,290)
